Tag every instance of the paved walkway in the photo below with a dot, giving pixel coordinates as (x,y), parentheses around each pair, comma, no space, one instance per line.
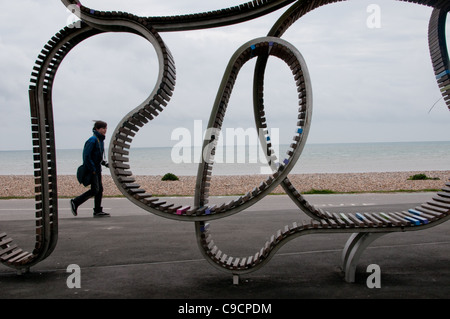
(134,254)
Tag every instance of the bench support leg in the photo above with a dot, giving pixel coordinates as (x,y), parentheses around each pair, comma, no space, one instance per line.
(353,250)
(235,279)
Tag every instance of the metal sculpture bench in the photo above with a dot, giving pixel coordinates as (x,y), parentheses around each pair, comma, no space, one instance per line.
(364,227)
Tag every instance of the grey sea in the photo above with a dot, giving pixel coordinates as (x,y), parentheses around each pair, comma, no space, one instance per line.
(247,160)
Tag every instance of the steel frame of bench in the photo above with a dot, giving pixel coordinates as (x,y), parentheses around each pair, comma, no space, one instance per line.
(365,228)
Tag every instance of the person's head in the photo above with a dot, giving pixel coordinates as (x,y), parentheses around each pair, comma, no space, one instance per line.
(101,127)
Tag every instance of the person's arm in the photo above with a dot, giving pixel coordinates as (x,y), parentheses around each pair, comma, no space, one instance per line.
(87,156)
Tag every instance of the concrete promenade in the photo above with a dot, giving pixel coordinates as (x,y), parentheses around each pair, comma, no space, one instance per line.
(135,254)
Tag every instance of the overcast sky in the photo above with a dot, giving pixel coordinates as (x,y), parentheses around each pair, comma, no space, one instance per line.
(369,84)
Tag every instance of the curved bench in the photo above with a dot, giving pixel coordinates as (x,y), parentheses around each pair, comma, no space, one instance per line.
(365,227)
(44,151)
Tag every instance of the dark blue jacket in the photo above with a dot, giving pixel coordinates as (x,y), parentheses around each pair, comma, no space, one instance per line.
(93,152)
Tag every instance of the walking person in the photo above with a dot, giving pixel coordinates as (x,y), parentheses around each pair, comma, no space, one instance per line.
(93,159)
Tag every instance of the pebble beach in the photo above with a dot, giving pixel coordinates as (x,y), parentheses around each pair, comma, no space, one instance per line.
(22,186)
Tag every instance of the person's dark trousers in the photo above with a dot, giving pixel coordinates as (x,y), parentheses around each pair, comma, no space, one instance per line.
(96,191)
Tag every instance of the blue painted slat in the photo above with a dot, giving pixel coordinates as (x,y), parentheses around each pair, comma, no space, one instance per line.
(419,216)
(412,220)
(415,212)
(443,73)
